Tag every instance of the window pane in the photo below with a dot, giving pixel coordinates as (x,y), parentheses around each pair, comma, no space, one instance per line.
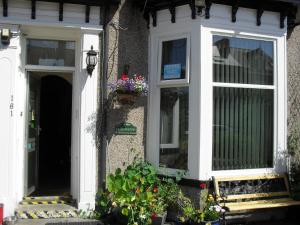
(50,53)
(173,59)
(240,60)
(243,128)
(174,119)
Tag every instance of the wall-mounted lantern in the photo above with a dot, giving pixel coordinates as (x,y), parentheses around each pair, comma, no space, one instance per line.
(5,36)
(91,61)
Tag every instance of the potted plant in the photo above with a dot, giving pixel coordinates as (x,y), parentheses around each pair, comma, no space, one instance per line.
(210,213)
(128,89)
(159,213)
(135,194)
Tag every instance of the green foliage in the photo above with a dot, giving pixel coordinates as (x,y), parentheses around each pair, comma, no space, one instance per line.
(137,191)
(293,145)
(212,211)
(209,210)
(103,203)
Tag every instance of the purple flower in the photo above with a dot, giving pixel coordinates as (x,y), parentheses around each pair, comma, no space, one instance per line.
(136,85)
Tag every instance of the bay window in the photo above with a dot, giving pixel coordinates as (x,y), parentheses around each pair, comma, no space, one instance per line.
(217,103)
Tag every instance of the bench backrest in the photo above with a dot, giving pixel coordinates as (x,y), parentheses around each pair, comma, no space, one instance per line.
(251,187)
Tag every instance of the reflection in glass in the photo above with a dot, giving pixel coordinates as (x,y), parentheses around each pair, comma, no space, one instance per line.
(174,127)
(50,52)
(174,54)
(240,60)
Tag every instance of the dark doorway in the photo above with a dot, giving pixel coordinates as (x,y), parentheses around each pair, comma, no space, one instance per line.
(54,154)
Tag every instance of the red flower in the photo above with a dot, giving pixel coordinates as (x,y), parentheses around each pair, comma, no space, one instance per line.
(153,216)
(124,76)
(202,186)
(155,189)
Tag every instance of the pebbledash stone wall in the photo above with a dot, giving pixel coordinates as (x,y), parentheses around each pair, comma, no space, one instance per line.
(293,67)
(127,45)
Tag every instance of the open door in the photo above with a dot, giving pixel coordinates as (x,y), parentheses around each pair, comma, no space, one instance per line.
(33,130)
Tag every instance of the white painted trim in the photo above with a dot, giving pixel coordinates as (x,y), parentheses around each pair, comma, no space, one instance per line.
(248,86)
(84,103)
(206,160)
(50,24)
(49,68)
(47,14)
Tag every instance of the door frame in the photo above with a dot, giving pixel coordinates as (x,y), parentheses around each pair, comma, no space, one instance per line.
(84,106)
(28,190)
(53,70)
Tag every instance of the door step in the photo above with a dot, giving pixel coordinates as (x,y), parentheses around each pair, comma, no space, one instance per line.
(46,208)
(47,200)
(47,214)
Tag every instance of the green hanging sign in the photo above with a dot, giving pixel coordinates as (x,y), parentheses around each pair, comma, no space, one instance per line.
(125,129)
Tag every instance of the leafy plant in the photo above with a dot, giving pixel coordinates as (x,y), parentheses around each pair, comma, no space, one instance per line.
(209,209)
(103,203)
(137,192)
(212,211)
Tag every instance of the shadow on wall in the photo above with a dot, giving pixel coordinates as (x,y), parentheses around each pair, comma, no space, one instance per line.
(119,112)
(126,44)
(133,51)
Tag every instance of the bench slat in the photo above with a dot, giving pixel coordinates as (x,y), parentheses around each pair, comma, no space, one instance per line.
(249,177)
(238,206)
(257,195)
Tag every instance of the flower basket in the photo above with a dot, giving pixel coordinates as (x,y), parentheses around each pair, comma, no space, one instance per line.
(128,89)
(126,98)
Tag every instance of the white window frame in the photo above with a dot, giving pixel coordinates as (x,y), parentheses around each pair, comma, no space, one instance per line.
(201,92)
(174,82)
(253,86)
(155,86)
(207,85)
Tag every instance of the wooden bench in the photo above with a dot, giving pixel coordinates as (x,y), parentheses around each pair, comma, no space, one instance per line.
(243,193)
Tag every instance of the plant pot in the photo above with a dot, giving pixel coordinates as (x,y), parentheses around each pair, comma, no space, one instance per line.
(160,219)
(127,98)
(178,222)
(215,222)
(119,217)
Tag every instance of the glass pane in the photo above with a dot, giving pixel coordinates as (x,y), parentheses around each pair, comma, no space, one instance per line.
(243,128)
(167,122)
(174,127)
(240,60)
(173,59)
(50,53)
